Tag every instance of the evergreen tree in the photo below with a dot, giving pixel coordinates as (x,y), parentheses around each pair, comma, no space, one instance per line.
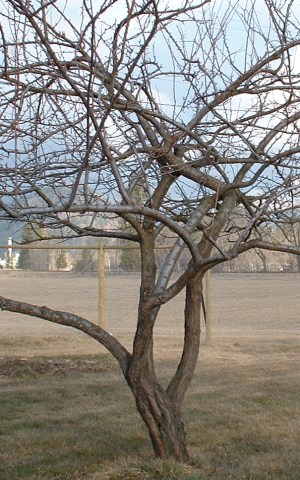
(61,261)
(86,263)
(130,259)
(33,259)
(25,256)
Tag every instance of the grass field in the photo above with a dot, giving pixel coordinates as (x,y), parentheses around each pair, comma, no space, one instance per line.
(66,412)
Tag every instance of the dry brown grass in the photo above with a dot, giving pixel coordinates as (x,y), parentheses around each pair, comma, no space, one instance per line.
(246,308)
(76,419)
(66,412)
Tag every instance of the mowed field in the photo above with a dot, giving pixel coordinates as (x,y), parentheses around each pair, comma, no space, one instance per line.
(66,412)
(245,308)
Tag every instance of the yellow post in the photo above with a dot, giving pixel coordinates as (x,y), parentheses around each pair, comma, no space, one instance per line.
(101,284)
(208,338)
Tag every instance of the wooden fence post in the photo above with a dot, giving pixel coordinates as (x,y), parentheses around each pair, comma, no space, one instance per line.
(101,287)
(208,337)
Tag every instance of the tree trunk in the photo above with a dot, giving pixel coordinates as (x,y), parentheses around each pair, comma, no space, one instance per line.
(161,409)
(263,258)
(162,418)
(298,262)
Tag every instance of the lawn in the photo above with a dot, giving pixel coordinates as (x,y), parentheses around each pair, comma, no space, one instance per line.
(66,413)
(74,418)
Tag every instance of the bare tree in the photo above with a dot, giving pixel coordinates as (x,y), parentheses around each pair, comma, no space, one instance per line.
(198,103)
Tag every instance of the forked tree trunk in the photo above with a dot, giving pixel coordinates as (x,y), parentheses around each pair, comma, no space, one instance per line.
(162,418)
(161,409)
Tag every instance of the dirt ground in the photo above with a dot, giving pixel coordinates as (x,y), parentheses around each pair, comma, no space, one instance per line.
(246,309)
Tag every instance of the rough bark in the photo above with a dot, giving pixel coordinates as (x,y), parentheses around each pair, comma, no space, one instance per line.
(161,416)
(181,380)
(161,409)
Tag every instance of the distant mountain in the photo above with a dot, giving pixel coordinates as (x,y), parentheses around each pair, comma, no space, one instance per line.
(57,195)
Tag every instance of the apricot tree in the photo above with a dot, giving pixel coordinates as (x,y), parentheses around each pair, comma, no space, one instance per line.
(194,104)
